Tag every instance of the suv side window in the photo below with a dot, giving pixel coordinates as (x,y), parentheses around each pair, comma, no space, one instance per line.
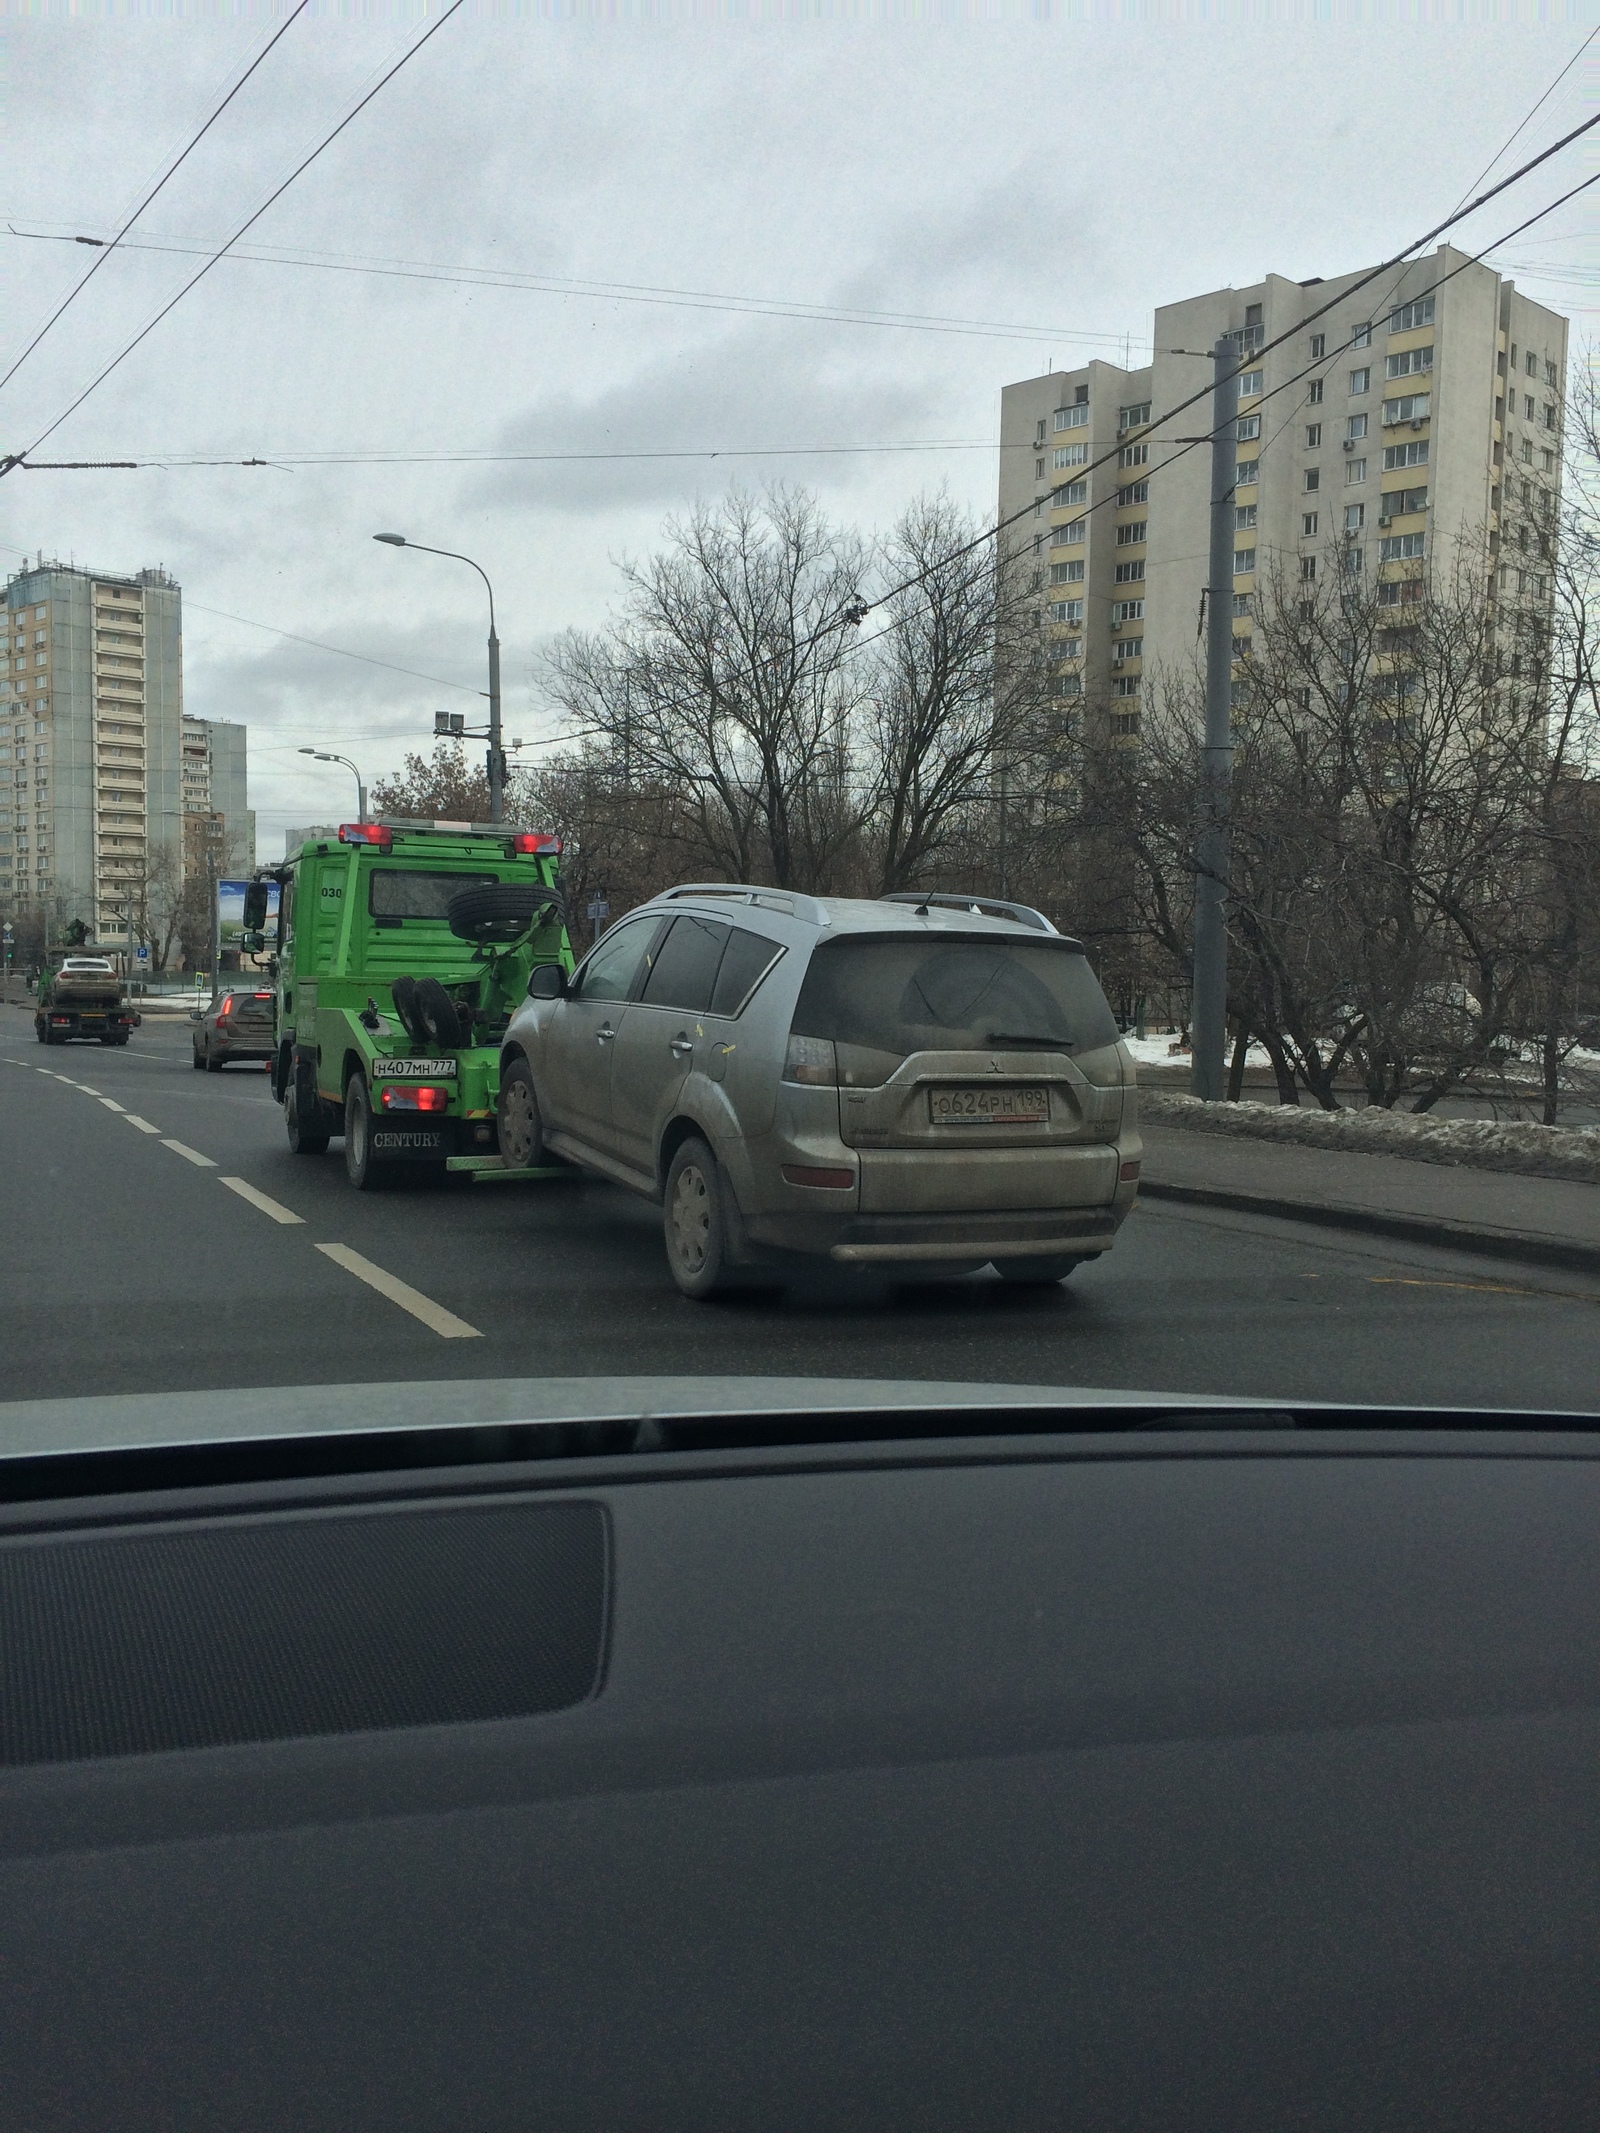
(683,966)
(747,958)
(614,964)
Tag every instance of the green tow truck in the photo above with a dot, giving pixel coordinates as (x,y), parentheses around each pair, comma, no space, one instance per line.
(401,951)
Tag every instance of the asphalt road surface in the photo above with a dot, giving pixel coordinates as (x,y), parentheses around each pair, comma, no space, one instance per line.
(158,1235)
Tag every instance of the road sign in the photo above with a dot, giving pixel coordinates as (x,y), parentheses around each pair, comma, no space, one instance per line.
(6,933)
(141,955)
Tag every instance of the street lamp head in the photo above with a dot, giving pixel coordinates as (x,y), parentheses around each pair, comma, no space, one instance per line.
(391,540)
(308,751)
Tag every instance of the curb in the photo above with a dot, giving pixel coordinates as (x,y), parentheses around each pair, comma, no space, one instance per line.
(1411,1229)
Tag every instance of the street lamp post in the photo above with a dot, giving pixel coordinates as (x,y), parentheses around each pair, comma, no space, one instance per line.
(497,761)
(323,756)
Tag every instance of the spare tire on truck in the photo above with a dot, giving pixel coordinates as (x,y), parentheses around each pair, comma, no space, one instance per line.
(442,1021)
(497,913)
(403,992)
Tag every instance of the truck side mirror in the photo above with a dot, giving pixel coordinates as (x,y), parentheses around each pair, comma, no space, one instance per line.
(255,906)
(548,982)
(253,941)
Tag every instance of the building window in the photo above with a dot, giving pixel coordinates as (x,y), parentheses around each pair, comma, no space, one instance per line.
(1399,503)
(1527,412)
(1355,517)
(1134,455)
(1408,362)
(1066,573)
(1405,455)
(1319,345)
(1250,384)
(1355,428)
(1361,336)
(1314,394)
(1070,535)
(1131,535)
(1398,592)
(1130,573)
(1066,685)
(1070,455)
(1407,316)
(1354,470)
(1244,517)
(1066,611)
(1313,480)
(1249,426)
(1038,431)
(1308,567)
(1127,610)
(1070,418)
(1071,492)
(1360,381)
(1552,376)
(1241,603)
(1133,418)
(1137,492)
(1549,417)
(1313,436)
(1244,559)
(1400,547)
(1412,408)
(1128,648)
(1038,470)
(1069,647)
(1124,684)
(1549,459)
(1532,364)
(1527,451)
(1245,473)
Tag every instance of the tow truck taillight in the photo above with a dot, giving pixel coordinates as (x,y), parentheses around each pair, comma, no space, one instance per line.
(422,1098)
(536,841)
(366,833)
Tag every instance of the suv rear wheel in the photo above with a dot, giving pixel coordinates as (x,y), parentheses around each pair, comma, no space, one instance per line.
(695,1222)
(364,1170)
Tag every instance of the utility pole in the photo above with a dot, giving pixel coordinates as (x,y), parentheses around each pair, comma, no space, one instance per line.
(497,761)
(1208,1021)
(216,921)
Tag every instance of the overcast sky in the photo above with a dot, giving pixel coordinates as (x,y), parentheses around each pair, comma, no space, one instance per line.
(1042,171)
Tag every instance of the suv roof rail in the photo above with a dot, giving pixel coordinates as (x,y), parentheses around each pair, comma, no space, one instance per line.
(794,901)
(979,906)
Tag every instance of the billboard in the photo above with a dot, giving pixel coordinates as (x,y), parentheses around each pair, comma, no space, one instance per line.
(230,912)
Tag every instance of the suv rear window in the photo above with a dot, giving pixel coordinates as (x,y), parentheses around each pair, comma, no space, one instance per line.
(900,996)
(396,894)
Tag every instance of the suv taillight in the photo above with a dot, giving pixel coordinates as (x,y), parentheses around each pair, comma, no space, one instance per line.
(812,1060)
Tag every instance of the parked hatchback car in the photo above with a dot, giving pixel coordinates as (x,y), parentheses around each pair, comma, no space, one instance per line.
(239,1025)
(924,1083)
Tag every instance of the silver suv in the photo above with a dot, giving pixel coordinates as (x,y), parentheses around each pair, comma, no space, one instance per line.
(924,1083)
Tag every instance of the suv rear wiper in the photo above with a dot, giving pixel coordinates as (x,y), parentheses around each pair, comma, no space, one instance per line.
(1039,1044)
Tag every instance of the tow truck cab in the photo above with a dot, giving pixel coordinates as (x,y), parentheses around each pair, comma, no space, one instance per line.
(401,951)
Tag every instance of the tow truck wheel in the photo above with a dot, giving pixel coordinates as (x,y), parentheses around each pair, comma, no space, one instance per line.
(365,1171)
(303,1140)
(517,1116)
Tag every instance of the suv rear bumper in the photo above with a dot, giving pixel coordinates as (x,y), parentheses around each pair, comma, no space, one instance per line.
(886,1240)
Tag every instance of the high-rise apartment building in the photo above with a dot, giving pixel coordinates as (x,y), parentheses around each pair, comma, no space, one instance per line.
(102,777)
(1387,440)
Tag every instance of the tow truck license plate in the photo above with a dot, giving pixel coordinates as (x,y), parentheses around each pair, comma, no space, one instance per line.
(989,1107)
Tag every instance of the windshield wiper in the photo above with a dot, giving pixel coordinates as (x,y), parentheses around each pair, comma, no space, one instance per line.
(1036,1043)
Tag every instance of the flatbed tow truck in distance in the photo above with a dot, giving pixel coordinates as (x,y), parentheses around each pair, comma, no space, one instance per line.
(402,950)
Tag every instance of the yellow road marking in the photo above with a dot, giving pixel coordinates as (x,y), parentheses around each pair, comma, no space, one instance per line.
(190,1155)
(1404,1281)
(275,1208)
(435,1316)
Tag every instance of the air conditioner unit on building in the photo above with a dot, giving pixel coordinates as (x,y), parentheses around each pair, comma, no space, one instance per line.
(1117,665)
(1417,424)
(1349,444)
(1386,522)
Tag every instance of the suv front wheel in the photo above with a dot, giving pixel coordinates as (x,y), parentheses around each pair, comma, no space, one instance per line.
(696,1223)
(521,1128)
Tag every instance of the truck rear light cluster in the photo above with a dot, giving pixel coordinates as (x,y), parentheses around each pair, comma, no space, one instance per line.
(366,833)
(535,841)
(413,1099)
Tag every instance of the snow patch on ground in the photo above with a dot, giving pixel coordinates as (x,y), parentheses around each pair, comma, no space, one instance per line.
(1536,1151)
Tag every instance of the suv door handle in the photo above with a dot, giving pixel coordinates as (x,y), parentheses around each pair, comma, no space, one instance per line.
(605,1034)
(681,1046)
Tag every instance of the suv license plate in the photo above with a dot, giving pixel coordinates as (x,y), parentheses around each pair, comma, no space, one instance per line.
(989,1107)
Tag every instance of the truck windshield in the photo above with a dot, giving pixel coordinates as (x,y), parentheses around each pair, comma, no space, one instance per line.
(396,893)
(917,995)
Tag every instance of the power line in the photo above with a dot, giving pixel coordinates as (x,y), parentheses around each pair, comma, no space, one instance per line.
(169,173)
(284,460)
(7,464)
(621,292)
(1538,107)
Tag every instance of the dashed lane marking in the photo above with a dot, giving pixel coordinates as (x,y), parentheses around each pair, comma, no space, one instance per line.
(143,1124)
(1411,1281)
(435,1316)
(274,1208)
(190,1155)
(111,1104)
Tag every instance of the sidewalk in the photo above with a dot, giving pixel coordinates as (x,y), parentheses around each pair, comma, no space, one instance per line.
(1545,1221)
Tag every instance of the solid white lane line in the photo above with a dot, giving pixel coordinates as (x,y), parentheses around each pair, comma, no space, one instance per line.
(190,1155)
(278,1212)
(443,1322)
(143,1124)
(111,1104)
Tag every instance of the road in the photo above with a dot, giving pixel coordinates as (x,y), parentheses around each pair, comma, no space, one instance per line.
(135,1259)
